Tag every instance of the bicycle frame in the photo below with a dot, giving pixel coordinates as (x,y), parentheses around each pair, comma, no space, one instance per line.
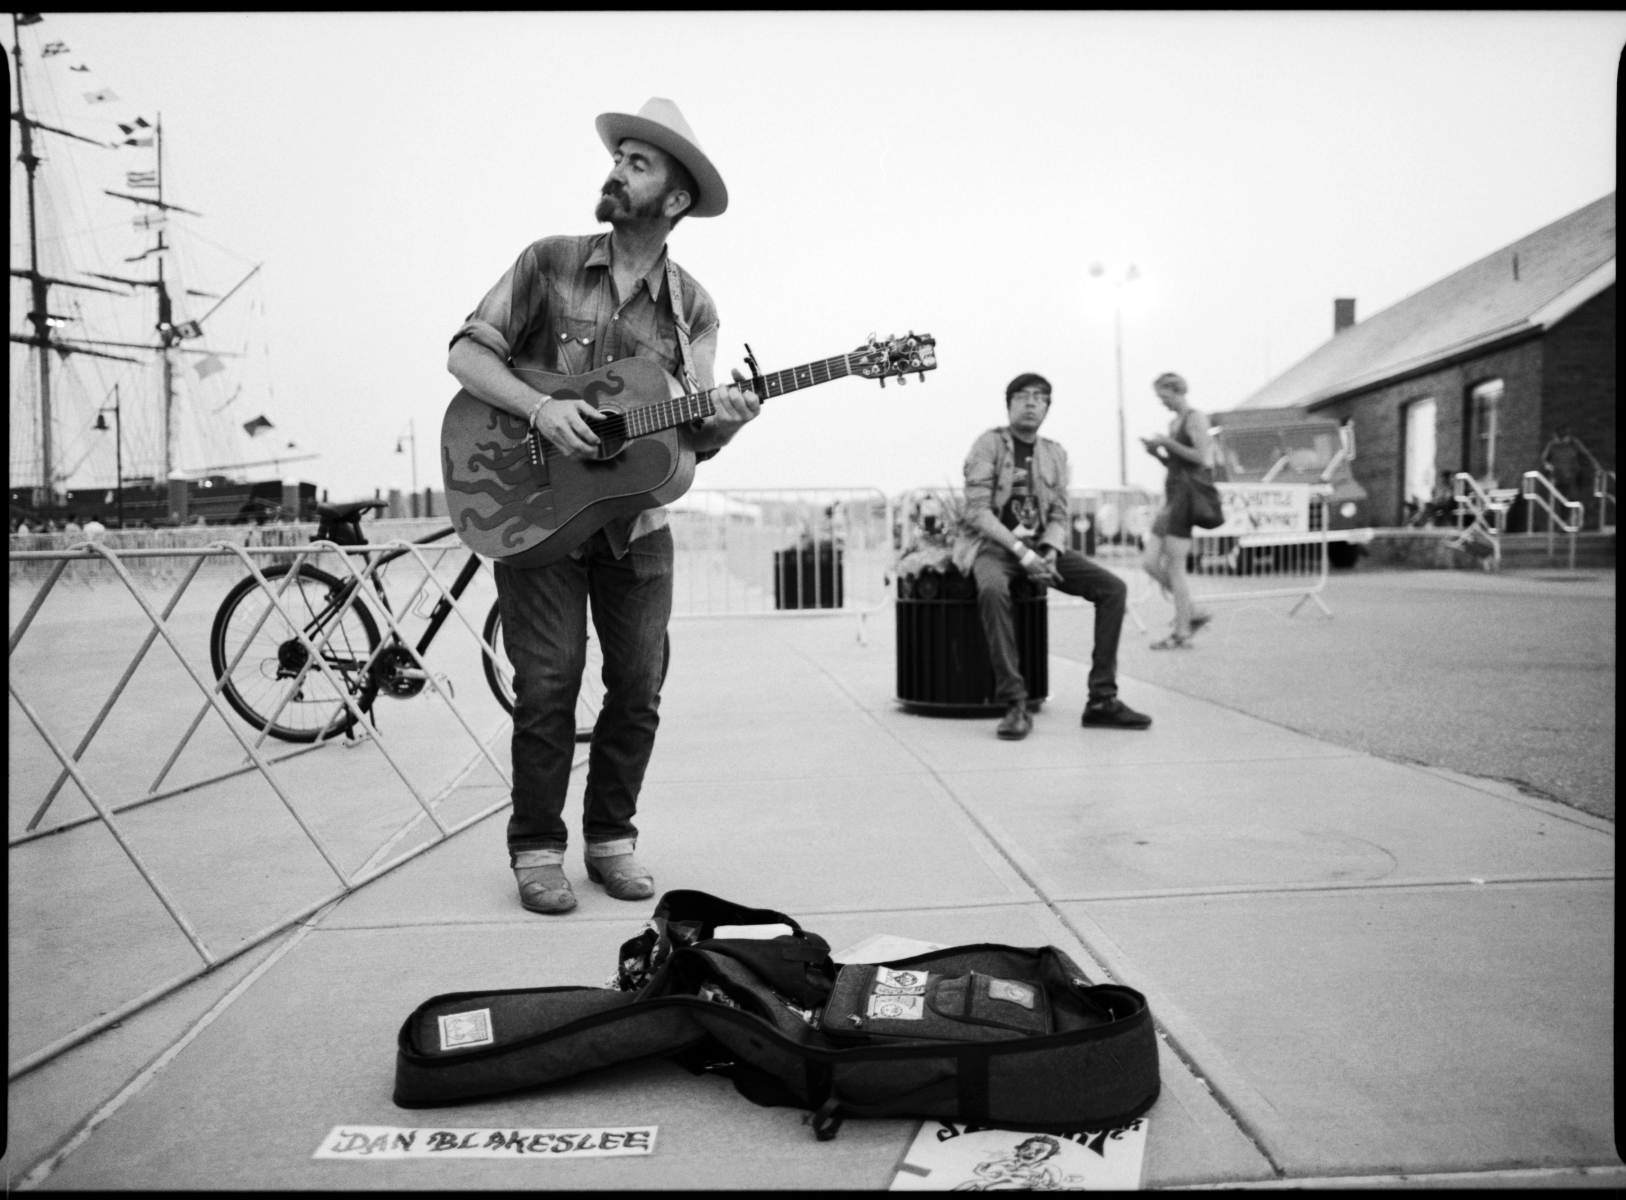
(437,616)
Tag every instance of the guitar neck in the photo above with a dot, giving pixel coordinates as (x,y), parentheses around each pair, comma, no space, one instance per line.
(697,406)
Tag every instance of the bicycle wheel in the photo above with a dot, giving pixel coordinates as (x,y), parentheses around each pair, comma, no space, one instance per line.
(500,674)
(258,687)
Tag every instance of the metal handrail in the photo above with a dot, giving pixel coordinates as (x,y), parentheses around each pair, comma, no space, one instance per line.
(1530,487)
(1603,488)
(1476,503)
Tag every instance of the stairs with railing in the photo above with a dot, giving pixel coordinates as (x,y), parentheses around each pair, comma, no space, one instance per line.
(1481,518)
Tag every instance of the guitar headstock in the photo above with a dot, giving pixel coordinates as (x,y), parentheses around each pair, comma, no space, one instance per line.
(914,352)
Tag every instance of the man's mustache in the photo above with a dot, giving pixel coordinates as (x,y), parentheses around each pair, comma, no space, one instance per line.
(612,188)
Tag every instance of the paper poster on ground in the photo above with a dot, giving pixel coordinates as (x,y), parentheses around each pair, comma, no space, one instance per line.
(884,947)
(965,1158)
(383,1143)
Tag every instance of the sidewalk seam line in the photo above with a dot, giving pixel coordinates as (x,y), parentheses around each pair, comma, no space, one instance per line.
(1220,1101)
(42,1170)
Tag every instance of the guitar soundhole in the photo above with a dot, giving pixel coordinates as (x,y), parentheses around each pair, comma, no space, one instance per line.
(611,428)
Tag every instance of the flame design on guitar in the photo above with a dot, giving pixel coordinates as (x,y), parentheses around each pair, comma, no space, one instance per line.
(525,503)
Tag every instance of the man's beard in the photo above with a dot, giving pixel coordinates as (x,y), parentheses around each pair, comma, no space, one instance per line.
(614,203)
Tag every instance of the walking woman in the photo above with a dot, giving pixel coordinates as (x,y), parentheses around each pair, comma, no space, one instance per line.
(1186,451)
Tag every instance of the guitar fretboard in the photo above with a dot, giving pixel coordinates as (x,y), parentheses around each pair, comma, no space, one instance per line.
(698,405)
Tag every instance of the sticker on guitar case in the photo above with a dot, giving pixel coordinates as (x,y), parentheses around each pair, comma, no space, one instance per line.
(897,1008)
(888,980)
(1006,989)
(458,1030)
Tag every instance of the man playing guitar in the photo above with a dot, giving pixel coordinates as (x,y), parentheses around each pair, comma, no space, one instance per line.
(569,305)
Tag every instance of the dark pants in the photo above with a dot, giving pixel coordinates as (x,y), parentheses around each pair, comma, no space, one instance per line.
(544,628)
(995,568)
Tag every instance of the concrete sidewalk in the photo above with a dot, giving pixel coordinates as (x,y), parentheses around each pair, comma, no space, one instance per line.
(1363,969)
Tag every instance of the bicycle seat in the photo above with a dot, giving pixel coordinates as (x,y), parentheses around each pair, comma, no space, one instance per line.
(345,512)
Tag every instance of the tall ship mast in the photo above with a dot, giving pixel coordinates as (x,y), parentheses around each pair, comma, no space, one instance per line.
(177,402)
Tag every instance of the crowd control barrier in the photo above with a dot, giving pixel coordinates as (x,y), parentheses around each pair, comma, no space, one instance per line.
(1273,545)
(357,837)
(766,551)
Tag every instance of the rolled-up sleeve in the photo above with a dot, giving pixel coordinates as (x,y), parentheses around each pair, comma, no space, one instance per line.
(500,321)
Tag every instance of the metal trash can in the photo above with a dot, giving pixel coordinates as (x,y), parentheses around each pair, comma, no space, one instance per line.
(805,578)
(943,664)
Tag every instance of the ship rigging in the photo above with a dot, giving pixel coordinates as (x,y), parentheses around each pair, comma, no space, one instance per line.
(52,439)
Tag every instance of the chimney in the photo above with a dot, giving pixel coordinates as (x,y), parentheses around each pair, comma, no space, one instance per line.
(1343,315)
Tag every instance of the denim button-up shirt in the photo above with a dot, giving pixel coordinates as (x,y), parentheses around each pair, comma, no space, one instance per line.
(989,472)
(556,309)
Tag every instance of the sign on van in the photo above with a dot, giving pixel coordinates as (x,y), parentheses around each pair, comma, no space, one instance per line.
(1263,508)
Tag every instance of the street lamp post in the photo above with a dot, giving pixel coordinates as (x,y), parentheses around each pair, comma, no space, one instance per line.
(411,435)
(118,448)
(1097,270)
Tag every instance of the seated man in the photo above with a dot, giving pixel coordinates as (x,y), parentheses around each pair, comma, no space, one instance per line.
(1016,497)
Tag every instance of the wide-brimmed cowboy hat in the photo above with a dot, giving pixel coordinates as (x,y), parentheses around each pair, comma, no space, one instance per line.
(661,124)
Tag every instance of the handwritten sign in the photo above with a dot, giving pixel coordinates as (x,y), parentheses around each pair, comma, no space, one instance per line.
(947,1157)
(380,1143)
(1263,508)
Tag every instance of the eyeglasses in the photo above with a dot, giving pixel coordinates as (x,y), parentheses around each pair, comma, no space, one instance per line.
(1045,396)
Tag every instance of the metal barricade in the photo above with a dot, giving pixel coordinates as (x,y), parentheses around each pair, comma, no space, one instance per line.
(1272,546)
(764,551)
(381,832)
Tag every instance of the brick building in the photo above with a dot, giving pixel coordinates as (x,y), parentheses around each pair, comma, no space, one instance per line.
(1476,372)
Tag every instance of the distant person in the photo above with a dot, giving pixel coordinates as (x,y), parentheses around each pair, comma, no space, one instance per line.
(94,528)
(1564,460)
(568,305)
(1186,450)
(1016,496)
(71,525)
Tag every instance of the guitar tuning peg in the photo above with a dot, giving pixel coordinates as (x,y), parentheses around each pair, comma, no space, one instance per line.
(881,381)
(902,380)
(923,377)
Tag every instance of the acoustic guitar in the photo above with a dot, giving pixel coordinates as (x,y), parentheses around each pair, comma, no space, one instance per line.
(515,497)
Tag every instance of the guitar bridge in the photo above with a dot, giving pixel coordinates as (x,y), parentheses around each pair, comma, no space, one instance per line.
(539,459)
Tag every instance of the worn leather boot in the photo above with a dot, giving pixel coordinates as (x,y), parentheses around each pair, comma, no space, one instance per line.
(1015,724)
(543,887)
(612,865)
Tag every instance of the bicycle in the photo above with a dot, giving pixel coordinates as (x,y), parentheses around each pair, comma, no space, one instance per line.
(254,648)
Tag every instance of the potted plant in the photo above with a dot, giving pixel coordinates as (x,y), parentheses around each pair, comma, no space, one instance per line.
(943,665)
(941,546)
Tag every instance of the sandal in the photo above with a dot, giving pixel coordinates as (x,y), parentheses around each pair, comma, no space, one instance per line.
(1173,642)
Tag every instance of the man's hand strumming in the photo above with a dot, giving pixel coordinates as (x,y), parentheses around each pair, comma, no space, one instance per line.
(564,423)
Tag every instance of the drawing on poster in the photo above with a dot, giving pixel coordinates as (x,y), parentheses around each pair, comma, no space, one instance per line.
(382,1143)
(970,1158)
(1263,508)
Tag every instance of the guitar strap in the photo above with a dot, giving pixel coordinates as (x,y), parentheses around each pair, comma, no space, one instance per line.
(674,295)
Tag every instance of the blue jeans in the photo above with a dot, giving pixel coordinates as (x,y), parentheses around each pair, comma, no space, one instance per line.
(995,568)
(544,628)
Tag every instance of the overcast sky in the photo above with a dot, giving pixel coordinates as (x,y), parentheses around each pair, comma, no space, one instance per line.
(955,173)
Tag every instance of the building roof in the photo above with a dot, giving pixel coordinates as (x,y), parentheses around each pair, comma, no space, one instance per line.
(1559,268)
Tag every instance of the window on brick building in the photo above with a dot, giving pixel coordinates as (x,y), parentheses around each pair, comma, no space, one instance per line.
(1484,403)
(1418,490)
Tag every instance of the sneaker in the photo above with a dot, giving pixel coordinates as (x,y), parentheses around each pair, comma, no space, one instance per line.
(1198,620)
(1173,642)
(1114,713)
(1015,724)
